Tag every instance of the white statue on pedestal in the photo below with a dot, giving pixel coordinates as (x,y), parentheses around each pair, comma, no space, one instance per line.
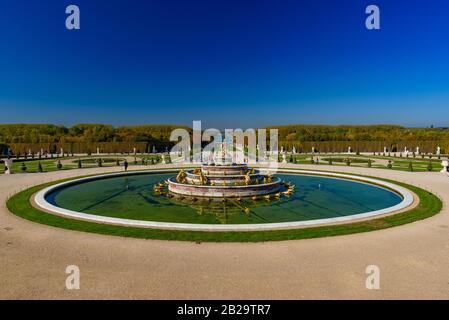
(417,150)
(385,149)
(284,157)
(294,150)
(98,150)
(8,164)
(313,149)
(438,151)
(163,160)
(62,152)
(349,150)
(445,164)
(405,152)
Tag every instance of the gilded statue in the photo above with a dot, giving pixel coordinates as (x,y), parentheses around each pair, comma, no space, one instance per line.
(203,179)
(181,177)
(247,178)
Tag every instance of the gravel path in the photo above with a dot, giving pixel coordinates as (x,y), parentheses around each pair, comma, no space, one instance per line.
(413,259)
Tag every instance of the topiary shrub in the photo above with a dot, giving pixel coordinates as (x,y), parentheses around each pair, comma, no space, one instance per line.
(430,166)
(329,161)
(410,166)
(80,164)
(312,161)
(100,162)
(59,165)
(117,162)
(39,167)
(348,161)
(23,167)
(369,163)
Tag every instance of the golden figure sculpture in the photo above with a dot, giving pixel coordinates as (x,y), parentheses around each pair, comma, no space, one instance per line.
(181,177)
(203,179)
(247,178)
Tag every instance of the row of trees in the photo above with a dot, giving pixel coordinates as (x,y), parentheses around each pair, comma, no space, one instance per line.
(86,138)
(302,133)
(49,133)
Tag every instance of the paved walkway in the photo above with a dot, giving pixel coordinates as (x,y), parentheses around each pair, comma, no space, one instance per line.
(413,259)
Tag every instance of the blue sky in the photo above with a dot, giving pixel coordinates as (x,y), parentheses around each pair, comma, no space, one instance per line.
(229,63)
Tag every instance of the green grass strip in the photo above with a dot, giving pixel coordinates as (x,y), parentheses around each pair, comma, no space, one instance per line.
(429,205)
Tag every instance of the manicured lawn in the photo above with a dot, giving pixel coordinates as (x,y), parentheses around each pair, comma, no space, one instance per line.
(398,163)
(50,164)
(32,165)
(429,205)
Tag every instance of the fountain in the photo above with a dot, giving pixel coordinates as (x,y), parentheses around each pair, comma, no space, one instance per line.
(221,178)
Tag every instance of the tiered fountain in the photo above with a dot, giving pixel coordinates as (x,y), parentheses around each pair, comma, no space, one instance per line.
(222,179)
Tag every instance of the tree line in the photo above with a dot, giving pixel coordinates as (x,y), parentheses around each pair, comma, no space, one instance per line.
(110,139)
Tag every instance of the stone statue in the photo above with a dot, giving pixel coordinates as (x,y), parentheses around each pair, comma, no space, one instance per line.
(445,164)
(8,165)
(284,158)
(438,151)
(223,149)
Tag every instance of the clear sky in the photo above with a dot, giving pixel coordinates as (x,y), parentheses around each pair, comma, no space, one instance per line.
(229,63)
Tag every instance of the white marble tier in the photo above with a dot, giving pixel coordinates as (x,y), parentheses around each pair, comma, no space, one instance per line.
(224,191)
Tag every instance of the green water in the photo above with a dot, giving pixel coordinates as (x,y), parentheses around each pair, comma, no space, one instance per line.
(132,197)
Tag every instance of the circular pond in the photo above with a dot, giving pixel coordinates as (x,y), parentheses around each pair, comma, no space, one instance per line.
(129,199)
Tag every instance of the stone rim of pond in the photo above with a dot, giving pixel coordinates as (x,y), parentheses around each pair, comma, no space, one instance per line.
(407,200)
